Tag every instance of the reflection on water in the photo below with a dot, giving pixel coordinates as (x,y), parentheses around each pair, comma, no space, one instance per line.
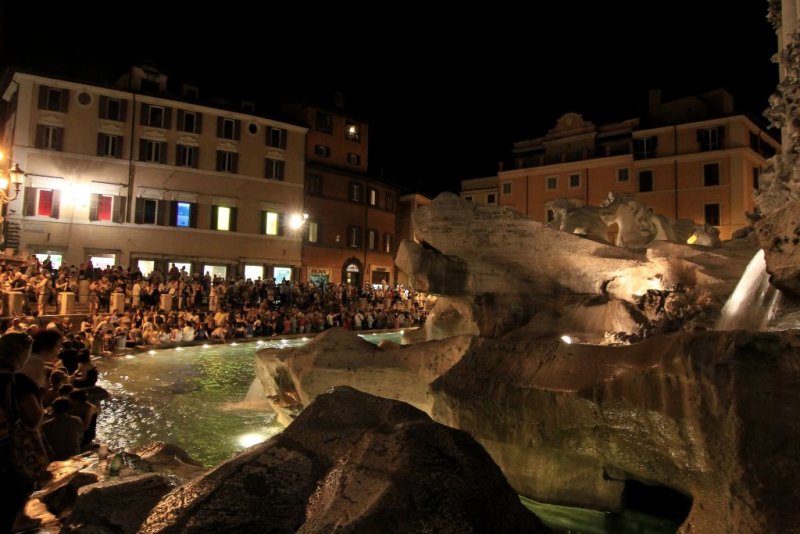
(193,397)
(581,520)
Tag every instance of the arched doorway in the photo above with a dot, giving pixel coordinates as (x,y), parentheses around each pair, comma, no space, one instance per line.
(352,272)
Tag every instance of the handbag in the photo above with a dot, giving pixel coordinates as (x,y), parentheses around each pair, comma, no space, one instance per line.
(29,457)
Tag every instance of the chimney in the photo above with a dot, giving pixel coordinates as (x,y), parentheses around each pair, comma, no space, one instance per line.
(653,98)
(500,166)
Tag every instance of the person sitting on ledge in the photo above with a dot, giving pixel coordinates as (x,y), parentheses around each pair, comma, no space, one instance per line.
(64,432)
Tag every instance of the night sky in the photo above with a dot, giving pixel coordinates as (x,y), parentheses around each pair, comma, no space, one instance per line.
(446,94)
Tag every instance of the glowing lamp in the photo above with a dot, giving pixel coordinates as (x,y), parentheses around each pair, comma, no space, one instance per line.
(296,220)
(567,340)
(692,240)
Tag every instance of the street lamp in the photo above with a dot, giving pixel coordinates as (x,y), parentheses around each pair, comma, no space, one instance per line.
(17,177)
(296,220)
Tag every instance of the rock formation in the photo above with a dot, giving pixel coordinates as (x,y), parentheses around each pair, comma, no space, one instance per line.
(779,236)
(502,268)
(351,462)
(709,415)
(339,356)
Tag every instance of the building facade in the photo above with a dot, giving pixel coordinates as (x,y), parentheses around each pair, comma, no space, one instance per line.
(350,234)
(693,158)
(134,175)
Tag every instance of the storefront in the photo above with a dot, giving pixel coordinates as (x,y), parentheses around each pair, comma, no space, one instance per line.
(380,277)
(351,272)
(281,273)
(319,275)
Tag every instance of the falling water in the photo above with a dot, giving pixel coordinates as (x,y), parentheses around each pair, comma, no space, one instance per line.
(753,302)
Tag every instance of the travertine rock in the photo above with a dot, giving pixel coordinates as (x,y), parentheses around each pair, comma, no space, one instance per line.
(779,236)
(351,462)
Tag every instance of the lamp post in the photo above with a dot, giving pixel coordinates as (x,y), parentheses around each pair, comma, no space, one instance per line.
(16,176)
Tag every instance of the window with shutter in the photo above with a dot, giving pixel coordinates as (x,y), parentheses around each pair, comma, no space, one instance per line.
(353,159)
(54,98)
(44,206)
(49,137)
(275,169)
(155,116)
(226,161)
(354,237)
(276,137)
(372,239)
(229,129)
(105,204)
(113,109)
(270,220)
(387,243)
(186,156)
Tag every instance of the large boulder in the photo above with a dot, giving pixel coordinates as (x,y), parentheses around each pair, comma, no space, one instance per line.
(356,463)
(711,416)
(505,268)
(779,236)
(116,506)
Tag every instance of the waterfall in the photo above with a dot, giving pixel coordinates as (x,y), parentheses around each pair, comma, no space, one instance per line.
(754,301)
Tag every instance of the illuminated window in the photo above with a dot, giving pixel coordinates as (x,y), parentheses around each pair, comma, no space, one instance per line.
(354,237)
(355,192)
(351,131)
(254,272)
(387,243)
(372,239)
(271,223)
(373,197)
(55,259)
(223,218)
(146,267)
(184,212)
(44,208)
(313,231)
(219,271)
(105,204)
(282,273)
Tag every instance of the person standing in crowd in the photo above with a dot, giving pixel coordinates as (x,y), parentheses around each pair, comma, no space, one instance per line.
(19,404)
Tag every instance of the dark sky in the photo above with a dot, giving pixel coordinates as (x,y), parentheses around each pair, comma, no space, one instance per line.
(446,93)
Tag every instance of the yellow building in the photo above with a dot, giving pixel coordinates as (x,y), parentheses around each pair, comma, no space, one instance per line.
(693,158)
(134,175)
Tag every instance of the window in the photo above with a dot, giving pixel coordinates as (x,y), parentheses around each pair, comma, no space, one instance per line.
(254,272)
(227,161)
(352,131)
(506,188)
(49,137)
(153,151)
(387,243)
(228,129)
(146,267)
(711,174)
(353,159)
(276,137)
(313,231)
(552,183)
(53,99)
(623,175)
(322,151)
(710,138)
(111,109)
(146,211)
(42,202)
(107,208)
(355,192)
(275,169)
(574,180)
(216,271)
(314,184)
(491,198)
(44,208)
(551,215)
(645,147)
(468,199)
(109,146)
(189,121)
(271,220)
(372,238)
(353,237)
(155,116)
(756,176)
(279,274)
(223,218)
(183,216)
(373,197)
(390,205)
(645,181)
(187,156)
(712,214)
(324,122)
